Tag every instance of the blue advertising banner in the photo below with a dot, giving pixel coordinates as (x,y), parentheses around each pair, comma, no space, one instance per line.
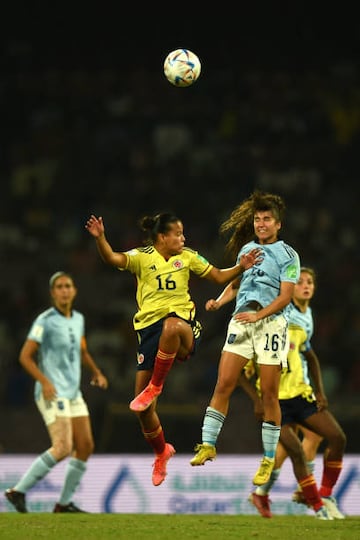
(122,484)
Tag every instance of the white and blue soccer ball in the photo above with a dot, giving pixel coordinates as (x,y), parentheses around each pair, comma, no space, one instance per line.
(182,67)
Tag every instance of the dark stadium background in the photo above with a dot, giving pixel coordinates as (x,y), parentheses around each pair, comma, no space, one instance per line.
(89,124)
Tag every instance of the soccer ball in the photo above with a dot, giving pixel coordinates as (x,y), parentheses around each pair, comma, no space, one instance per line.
(182,67)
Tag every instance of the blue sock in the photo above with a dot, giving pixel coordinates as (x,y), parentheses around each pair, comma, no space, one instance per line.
(74,472)
(37,470)
(270,437)
(213,422)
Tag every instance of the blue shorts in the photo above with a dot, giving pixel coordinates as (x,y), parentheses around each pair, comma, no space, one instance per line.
(297,409)
(148,339)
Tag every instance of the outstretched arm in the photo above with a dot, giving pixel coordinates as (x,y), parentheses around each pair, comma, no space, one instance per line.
(316,378)
(224,275)
(227,295)
(97,377)
(96,228)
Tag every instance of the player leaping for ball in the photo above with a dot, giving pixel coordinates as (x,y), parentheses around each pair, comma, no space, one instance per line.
(165,322)
(258,327)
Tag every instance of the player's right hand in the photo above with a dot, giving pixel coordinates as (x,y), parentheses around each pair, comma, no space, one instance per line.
(95,226)
(212,305)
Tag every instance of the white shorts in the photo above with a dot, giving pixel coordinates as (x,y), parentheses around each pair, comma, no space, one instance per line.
(266,340)
(61,407)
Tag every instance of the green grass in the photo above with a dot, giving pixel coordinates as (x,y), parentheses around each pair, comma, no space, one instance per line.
(173,527)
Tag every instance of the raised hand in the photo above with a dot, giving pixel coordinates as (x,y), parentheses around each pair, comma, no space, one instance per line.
(95,226)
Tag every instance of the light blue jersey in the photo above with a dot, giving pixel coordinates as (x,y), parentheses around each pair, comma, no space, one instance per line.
(59,356)
(305,320)
(261,283)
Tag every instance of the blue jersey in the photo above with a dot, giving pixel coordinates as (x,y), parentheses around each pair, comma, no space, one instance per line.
(305,321)
(59,355)
(261,283)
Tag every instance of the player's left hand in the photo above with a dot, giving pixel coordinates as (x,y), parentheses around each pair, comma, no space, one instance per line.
(246,317)
(100,380)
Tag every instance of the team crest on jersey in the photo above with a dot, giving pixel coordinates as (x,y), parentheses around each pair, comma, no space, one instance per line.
(140,358)
(60,405)
(178,264)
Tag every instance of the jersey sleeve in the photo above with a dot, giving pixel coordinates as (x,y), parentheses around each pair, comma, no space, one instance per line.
(37,330)
(290,270)
(82,326)
(199,265)
(132,261)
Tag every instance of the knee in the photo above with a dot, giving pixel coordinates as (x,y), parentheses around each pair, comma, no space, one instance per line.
(225,387)
(61,449)
(89,447)
(172,326)
(340,440)
(85,450)
(270,397)
(297,455)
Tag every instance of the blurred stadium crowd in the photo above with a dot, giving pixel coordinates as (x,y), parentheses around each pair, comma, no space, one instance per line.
(81,139)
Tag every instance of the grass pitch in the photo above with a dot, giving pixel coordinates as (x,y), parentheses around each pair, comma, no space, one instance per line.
(14,526)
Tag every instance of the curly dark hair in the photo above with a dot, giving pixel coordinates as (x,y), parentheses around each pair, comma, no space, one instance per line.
(241,221)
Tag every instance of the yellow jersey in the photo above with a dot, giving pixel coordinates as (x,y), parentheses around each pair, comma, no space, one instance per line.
(293,380)
(162,286)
